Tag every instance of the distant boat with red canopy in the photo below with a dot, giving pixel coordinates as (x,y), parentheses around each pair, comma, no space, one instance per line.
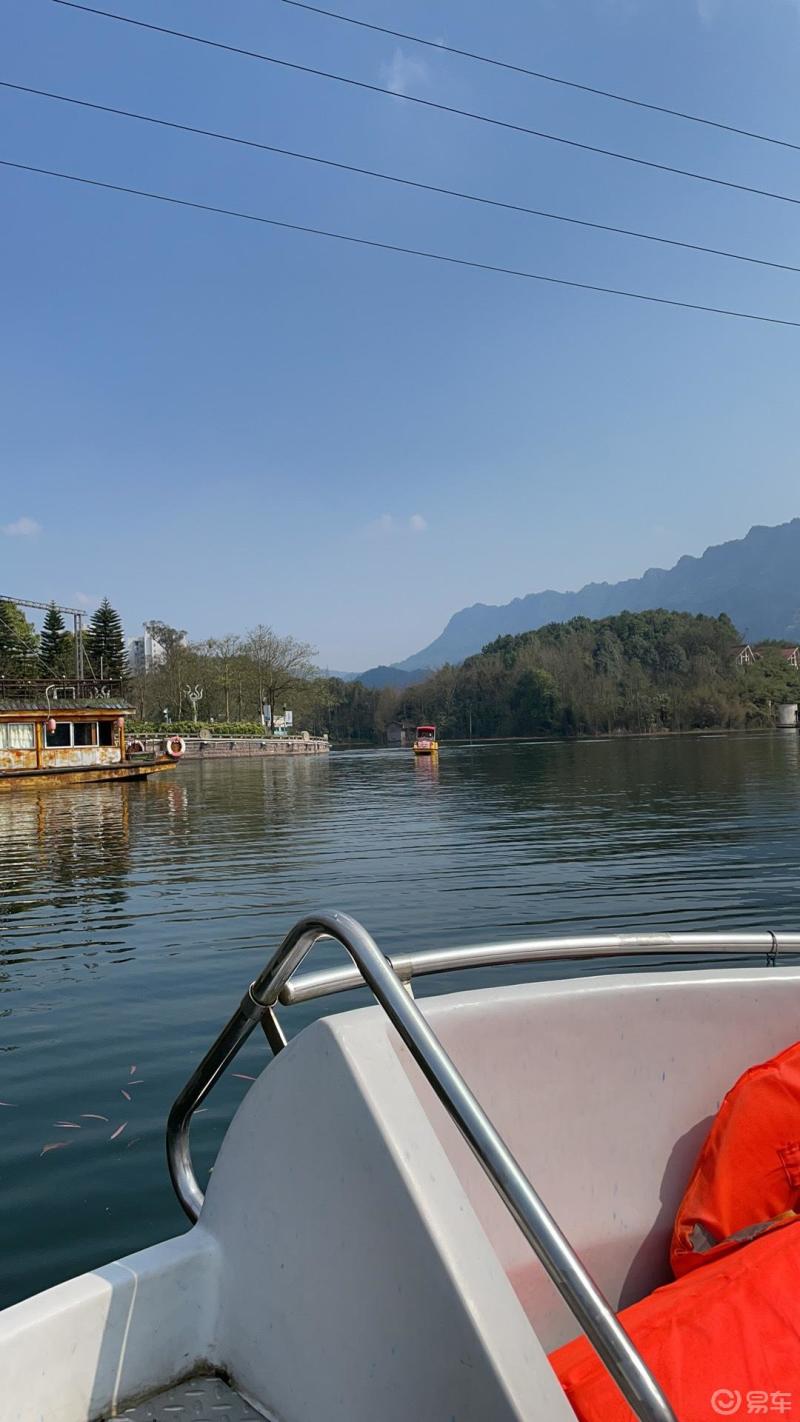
(426,742)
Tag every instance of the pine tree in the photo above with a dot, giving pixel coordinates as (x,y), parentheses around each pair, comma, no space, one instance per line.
(18,642)
(105,642)
(51,643)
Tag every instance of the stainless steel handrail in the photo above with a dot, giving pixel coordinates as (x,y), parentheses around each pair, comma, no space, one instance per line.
(551,1247)
(327,981)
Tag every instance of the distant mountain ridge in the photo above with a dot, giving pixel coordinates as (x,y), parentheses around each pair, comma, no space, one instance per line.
(755,579)
(377,677)
(396,677)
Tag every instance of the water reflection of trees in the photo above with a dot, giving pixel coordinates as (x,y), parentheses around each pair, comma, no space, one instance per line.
(646,774)
(248,802)
(680,831)
(593,832)
(62,845)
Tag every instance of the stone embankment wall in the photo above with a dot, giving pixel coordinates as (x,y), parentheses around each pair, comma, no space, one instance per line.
(218,747)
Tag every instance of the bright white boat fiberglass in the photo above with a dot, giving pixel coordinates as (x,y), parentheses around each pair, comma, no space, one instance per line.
(367,1249)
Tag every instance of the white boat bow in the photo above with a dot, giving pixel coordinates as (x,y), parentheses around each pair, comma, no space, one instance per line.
(370,1247)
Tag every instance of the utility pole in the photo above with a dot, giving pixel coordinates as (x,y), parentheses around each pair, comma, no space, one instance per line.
(77,623)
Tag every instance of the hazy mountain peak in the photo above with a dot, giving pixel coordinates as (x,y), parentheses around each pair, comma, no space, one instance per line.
(755,579)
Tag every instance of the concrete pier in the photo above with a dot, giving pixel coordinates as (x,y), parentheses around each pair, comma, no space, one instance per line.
(233,747)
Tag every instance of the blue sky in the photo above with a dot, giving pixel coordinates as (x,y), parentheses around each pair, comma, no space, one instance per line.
(218,424)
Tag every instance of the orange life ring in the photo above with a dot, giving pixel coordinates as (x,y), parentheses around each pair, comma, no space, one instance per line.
(175,746)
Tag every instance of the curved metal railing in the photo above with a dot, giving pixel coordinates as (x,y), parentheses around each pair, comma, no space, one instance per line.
(551,1247)
(408,966)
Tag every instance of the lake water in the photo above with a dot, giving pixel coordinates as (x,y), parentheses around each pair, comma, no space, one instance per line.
(133,917)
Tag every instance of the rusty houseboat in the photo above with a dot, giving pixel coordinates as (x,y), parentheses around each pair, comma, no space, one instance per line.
(72,733)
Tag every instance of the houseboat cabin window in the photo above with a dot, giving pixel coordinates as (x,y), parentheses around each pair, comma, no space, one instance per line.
(60,737)
(80,733)
(17,737)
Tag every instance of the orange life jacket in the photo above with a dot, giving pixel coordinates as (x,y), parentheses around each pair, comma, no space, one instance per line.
(723,1340)
(746,1180)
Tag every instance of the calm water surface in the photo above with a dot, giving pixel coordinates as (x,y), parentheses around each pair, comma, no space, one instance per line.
(133,917)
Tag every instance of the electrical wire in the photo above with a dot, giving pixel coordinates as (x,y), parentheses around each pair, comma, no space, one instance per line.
(506,64)
(395,178)
(433,104)
(397,248)
(16,638)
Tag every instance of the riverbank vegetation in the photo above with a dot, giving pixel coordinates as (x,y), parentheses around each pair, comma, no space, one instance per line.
(645,672)
(29,655)
(635,673)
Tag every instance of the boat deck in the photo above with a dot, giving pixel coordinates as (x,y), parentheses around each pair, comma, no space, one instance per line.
(198,1400)
(137,769)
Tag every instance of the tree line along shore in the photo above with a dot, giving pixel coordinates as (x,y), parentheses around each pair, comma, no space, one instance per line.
(636,673)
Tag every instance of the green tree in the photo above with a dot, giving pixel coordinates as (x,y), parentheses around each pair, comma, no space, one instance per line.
(105,642)
(222,652)
(277,662)
(51,643)
(636,672)
(18,642)
(172,640)
(162,686)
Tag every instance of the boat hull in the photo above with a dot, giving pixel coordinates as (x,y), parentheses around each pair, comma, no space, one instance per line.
(60,775)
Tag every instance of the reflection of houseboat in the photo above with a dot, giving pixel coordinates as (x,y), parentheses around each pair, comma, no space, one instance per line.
(426,742)
(69,734)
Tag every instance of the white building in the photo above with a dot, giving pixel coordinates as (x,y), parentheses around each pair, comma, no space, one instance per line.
(144,653)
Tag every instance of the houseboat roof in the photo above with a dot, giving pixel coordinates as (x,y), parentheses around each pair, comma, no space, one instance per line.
(39,705)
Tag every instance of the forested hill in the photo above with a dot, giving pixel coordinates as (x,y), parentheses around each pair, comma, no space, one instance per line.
(638,672)
(755,580)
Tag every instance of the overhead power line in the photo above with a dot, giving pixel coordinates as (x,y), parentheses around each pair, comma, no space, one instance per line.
(431,103)
(398,248)
(506,64)
(394,178)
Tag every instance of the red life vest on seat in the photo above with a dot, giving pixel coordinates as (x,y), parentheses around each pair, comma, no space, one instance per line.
(723,1340)
(747,1176)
